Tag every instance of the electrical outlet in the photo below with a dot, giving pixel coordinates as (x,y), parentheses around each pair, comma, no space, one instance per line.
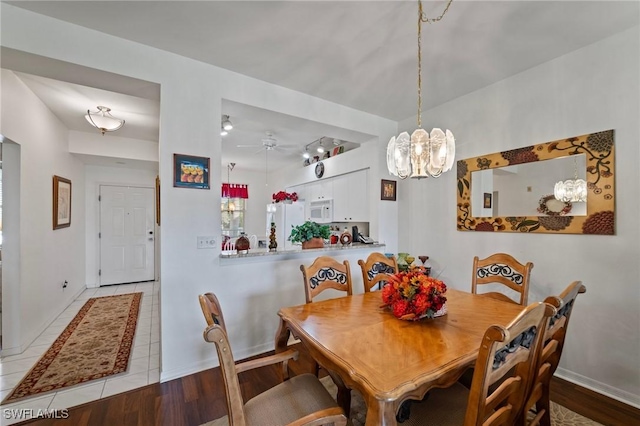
(206,242)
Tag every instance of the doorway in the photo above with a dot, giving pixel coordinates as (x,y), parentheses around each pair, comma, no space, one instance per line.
(127,234)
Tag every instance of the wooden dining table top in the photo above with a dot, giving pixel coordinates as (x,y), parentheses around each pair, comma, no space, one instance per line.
(390,360)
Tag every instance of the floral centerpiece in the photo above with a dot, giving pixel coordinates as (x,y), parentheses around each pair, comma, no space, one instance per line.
(284,196)
(413,295)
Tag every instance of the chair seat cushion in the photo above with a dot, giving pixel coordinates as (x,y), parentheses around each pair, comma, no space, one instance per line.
(443,407)
(288,401)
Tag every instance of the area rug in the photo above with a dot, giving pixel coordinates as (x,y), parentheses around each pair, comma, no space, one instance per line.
(560,416)
(96,343)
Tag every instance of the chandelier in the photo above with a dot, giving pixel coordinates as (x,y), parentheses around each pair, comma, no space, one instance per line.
(103,120)
(423,154)
(571,190)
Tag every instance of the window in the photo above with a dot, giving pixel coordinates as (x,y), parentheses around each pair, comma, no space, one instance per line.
(232,218)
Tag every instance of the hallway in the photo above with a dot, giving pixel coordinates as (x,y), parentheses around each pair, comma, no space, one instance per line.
(143,366)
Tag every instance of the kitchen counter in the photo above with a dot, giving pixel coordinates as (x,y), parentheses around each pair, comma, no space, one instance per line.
(253,253)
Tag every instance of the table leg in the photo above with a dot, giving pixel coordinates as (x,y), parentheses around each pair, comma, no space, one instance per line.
(282,336)
(343,398)
(381,413)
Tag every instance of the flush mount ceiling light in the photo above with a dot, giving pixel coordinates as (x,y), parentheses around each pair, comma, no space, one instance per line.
(103,120)
(423,155)
(571,190)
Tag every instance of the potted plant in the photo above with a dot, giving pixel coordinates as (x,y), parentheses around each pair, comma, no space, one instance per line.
(310,234)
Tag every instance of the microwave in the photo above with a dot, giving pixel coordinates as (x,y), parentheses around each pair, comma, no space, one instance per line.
(321,211)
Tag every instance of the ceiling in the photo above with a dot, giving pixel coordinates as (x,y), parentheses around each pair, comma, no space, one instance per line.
(361,54)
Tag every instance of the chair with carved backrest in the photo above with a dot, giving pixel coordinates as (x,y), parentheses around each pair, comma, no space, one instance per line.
(326,273)
(376,269)
(550,355)
(502,376)
(323,274)
(301,400)
(503,269)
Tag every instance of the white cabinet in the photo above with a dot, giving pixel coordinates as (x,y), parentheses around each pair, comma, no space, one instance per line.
(350,197)
(320,190)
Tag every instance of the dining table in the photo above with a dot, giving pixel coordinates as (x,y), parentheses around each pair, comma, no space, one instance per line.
(386,359)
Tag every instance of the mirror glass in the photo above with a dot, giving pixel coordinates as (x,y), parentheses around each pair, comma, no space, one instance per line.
(512,191)
(526,189)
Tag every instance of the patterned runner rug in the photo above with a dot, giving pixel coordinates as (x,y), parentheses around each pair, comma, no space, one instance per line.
(97,343)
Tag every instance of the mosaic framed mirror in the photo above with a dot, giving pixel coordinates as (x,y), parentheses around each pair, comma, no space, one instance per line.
(520,184)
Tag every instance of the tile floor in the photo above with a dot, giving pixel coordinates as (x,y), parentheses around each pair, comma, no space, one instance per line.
(143,365)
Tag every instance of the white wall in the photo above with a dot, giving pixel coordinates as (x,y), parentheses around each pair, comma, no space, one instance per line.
(94,177)
(112,146)
(47,257)
(188,90)
(595,88)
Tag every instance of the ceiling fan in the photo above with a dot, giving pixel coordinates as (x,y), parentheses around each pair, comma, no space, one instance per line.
(269,143)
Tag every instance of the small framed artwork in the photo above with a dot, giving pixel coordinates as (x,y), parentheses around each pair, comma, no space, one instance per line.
(388,190)
(487,200)
(190,171)
(61,202)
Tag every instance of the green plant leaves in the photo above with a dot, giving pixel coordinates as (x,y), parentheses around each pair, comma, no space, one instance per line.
(307,231)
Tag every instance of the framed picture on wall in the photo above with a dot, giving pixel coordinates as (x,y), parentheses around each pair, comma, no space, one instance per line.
(61,202)
(190,171)
(487,200)
(388,190)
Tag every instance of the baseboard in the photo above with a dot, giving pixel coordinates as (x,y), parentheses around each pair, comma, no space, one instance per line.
(165,376)
(601,388)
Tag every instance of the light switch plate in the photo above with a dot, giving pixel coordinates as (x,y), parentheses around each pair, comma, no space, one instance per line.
(206,242)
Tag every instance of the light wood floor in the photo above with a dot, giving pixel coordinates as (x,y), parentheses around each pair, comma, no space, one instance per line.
(198,398)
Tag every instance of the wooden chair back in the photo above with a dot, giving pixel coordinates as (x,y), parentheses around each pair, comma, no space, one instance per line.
(211,310)
(549,358)
(504,269)
(324,273)
(377,268)
(507,356)
(235,405)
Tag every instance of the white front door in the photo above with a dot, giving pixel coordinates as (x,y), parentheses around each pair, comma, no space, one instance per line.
(126,234)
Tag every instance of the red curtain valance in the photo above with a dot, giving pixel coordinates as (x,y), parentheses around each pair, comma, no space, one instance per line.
(235,190)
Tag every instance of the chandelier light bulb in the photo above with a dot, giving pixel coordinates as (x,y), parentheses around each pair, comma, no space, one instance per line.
(320,149)
(223,132)
(305,155)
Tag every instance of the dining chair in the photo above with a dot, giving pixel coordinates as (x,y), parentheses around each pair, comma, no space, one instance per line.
(503,269)
(300,400)
(376,269)
(326,273)
(549,358)
(506,359)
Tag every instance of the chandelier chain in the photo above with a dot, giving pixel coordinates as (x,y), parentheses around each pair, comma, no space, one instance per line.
(423,18)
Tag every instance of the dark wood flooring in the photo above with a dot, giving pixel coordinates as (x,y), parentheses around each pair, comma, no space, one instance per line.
(198,398)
